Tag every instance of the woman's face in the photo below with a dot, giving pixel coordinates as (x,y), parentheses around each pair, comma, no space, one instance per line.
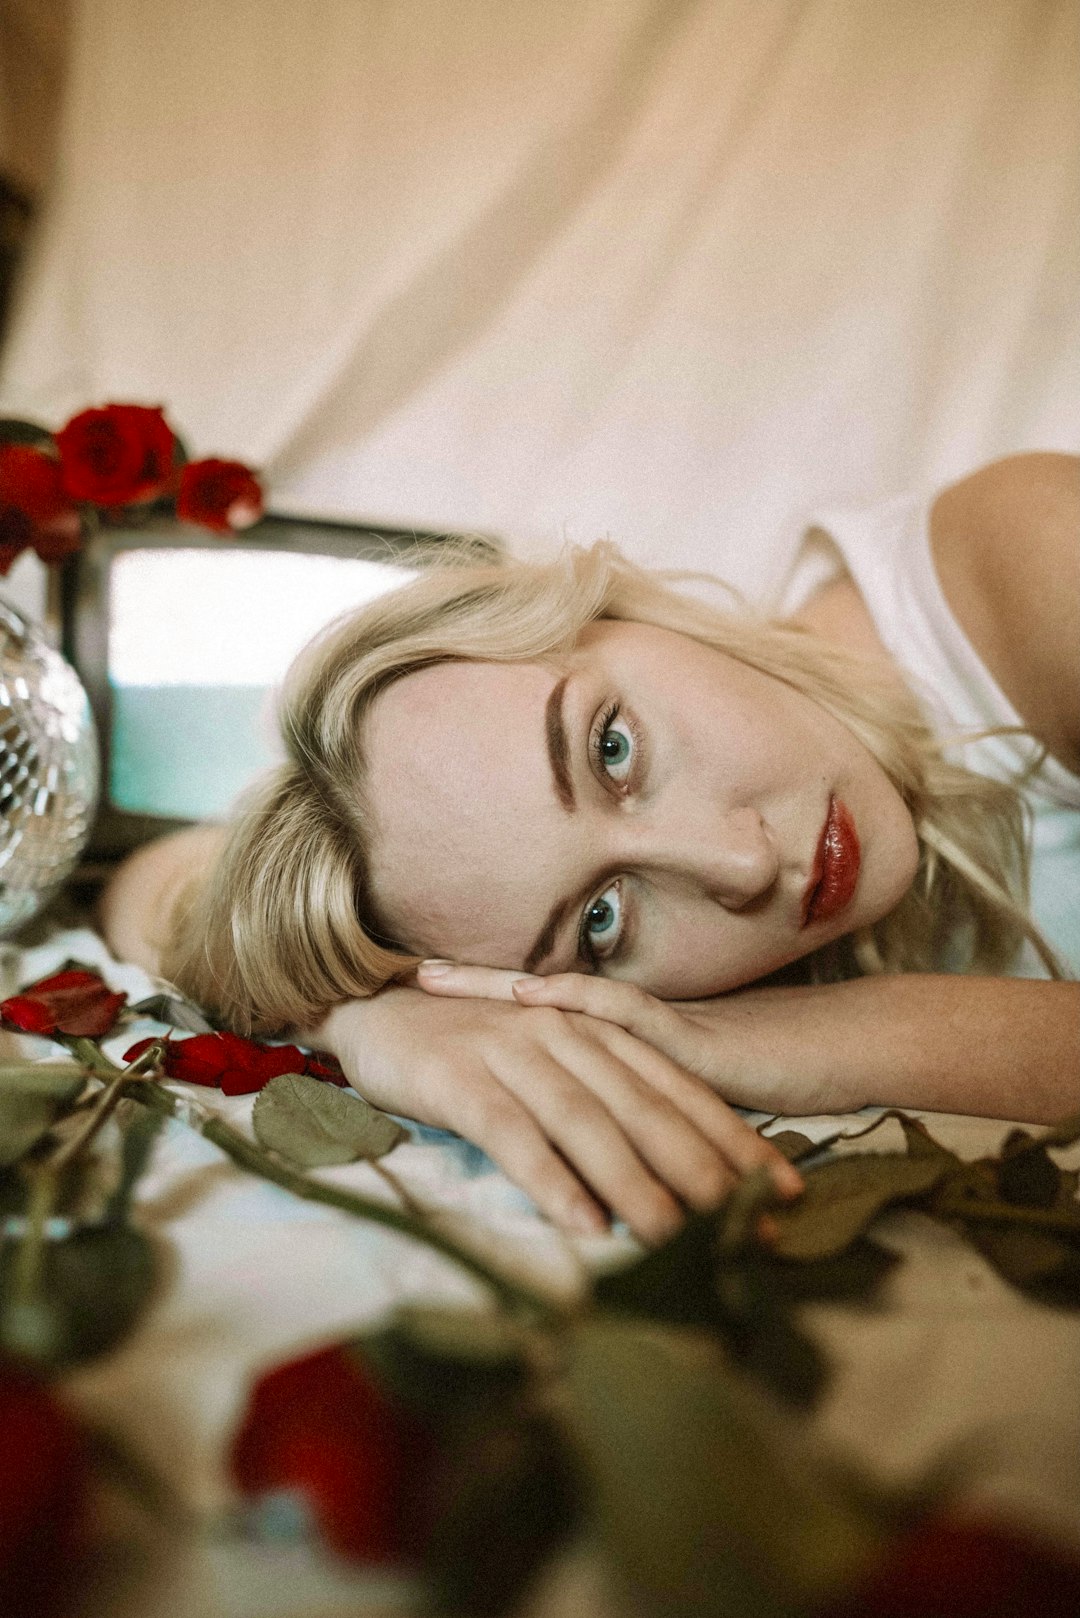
(647,808)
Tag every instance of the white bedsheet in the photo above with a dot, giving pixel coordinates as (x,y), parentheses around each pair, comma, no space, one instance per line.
(956,1364)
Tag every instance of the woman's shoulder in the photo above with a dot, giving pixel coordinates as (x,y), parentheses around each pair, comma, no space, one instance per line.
(1006,548)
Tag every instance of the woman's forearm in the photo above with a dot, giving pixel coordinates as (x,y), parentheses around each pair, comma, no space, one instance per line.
(995,1047)
(135,910)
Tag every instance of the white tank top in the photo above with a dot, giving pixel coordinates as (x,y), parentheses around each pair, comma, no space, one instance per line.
(886,550)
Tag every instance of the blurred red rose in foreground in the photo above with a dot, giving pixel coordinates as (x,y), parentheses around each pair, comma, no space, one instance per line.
(34,507)
(76,1003)
(947,1569)
(43,1494)
(116,455)
(233,1065)
(321,1426)
(222,495)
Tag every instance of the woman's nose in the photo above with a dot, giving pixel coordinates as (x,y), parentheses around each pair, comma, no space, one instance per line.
(741,861)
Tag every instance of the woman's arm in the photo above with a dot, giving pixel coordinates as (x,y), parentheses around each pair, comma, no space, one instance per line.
(136,908)
(995,1047)
(581,1114)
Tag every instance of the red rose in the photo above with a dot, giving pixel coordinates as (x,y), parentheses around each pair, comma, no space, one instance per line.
(43,1479)
(322,1425)
(34,507)
(116,455)
(222,495)
(946,1569)
(77,1003)
(233,1065)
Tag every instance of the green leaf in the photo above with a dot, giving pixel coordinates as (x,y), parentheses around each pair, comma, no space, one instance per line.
(315,1124)
(689,1282)
(141,1129)
(95,1284)
(32,1097)
(13,430)
(842,1197)
(709,1504)
(510,1497)
(442,1369)
(479,1337)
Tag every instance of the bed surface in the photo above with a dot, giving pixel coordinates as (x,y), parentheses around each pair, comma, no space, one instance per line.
(956,1364)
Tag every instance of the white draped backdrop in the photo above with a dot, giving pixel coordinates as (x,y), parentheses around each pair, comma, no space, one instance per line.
(670,271)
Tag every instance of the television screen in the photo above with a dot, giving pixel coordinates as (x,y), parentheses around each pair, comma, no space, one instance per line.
(182,641)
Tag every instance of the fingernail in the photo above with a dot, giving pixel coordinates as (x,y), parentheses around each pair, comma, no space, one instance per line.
(525,984)
(435,968)
(787,1179)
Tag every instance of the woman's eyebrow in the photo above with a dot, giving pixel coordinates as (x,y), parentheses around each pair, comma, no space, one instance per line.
(545,938)
(558,749)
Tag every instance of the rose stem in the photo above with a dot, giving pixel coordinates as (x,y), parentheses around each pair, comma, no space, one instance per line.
(249,1155)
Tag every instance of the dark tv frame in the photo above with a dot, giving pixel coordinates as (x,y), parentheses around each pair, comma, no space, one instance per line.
(85,616)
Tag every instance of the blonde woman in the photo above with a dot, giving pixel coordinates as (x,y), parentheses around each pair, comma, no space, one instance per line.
(570,862)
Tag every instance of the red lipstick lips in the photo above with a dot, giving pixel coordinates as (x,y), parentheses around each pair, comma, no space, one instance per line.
(836,866)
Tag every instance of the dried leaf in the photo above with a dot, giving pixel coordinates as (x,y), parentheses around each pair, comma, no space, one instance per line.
(793,1145)
(842,1197)
(854,1276)
(710,1503)
(1065,1133)
(919,1141)
(176,1011)
(1041,1263)
(314,1124)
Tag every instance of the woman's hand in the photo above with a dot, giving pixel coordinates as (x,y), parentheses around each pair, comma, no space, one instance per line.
(946,1042)
(762,1048)
(580,1113)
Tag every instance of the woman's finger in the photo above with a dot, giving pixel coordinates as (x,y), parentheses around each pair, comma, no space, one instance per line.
(690,1100)
(466,982)
(502,1127)
(583,1129)
(668,1142)
(611,1000)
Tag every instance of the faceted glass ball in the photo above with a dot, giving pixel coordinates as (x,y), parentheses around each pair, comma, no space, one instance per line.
(49,770)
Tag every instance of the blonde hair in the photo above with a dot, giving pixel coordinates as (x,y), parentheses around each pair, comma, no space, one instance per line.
(284,927)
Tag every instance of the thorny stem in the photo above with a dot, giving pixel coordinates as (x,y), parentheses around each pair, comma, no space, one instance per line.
(248,1154)
(988,1212)
(104,1105)
(28,1261)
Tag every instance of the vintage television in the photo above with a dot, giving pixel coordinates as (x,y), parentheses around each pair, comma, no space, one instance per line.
(181,638)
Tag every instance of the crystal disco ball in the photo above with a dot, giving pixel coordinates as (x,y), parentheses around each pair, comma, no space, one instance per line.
(48,769)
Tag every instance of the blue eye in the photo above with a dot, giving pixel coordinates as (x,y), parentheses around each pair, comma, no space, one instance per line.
(615,747)
(602,924)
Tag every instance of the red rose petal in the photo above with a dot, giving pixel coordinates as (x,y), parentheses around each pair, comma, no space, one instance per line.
(76,1003)
(322,1425)
(220,495)
(116,455)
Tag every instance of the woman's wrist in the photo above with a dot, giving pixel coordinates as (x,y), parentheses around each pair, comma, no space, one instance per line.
(994,1047)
